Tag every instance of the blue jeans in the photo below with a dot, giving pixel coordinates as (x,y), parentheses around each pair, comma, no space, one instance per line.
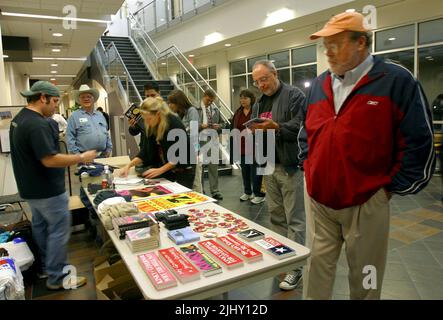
(51,228)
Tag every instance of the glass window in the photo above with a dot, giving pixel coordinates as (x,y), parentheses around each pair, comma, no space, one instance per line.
(284,76)
(280,59)
(213,72)
(188,6)
(395,38)
(203,72)
(252,61)
(253,88)
(304,55)
(237,85)
(302,77)
(238,67)
(430,70)
(213,84)
(430,31)
(162,12)
(405,58)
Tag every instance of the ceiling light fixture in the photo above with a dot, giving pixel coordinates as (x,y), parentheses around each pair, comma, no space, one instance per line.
(279,16)
(54,65)
(228,45)
(56,50)
(57,34)
(191,56)
(53,71)
(163,63)
(350,10)
(212,38)
(39,16)
(5,56)
(53,79)
(60,59)
(307,84)
(279,30)
(392,39)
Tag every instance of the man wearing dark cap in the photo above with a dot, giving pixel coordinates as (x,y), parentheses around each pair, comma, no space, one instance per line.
(40,176)
(367,135)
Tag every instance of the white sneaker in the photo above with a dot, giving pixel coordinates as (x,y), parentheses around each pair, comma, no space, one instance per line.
(258,200)
(246,197)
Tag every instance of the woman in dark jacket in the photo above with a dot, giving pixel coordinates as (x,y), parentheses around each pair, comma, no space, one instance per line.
(249,170)
(159,122)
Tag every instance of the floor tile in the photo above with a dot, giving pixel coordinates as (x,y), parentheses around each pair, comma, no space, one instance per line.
(433,223)
(426,274)
(417,258)
(396,271)
(405,236)
(423,230)
(399,290)
(425,213)
(410,217)
(428,290)
(401,223)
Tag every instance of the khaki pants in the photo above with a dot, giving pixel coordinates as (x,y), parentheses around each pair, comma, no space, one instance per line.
(281,190)
(364,230)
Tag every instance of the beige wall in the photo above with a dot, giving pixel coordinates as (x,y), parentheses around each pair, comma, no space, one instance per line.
(15,83)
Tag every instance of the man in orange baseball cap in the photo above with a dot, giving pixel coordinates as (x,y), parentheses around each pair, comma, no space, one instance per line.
(367,135)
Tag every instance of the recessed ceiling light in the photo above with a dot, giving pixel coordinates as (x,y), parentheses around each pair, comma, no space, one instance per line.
(392,39)
(350,10)
(32,76)
(279,30)
(307,84)
(228,44)
(57,34)
(5,56)
(53,71)
(56,50)
(429,57)
(163,63)
(54,65)
(53,79)
(191,56)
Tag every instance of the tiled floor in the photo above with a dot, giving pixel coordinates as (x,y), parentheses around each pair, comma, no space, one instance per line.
(415,258)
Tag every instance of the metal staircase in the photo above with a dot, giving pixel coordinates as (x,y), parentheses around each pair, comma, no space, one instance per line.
(137,69)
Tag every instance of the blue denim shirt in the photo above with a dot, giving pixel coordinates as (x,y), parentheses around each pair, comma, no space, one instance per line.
(87,131)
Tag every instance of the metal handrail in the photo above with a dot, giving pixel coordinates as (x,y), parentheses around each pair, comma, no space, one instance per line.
(126,70)
(176,53)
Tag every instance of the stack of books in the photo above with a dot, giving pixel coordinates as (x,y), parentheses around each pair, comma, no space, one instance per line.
(184,235)
(138,221)
(179,265)
(143,239)
(275,248)
(251,235)
(160,276)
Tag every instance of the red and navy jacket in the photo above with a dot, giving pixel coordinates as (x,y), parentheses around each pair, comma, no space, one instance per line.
(382,137)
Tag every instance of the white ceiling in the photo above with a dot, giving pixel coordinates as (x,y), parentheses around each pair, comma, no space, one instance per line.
(74,43)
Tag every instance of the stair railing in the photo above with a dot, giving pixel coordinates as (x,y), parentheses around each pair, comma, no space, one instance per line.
(172,64)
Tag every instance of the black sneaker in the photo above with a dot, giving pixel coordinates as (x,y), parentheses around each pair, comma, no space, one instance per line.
(291,280)
(217,196)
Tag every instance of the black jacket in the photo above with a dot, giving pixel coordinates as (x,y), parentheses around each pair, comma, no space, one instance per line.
(287,111)
(149,151)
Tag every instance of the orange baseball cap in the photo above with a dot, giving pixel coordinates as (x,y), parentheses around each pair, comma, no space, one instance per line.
(346,21)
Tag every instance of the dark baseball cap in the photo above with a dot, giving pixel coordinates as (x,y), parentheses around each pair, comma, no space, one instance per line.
(43,87)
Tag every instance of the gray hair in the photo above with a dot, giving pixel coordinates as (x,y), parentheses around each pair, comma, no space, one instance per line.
(266,63)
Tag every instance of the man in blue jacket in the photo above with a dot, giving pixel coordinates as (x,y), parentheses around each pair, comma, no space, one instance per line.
(367,135)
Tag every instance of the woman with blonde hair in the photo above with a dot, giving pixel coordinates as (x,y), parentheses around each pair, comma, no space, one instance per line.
(159,122)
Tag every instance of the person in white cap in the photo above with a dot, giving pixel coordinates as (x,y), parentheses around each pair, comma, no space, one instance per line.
(367,135)
(87,127)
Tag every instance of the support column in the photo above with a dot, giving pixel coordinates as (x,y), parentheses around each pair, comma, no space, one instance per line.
(5,96)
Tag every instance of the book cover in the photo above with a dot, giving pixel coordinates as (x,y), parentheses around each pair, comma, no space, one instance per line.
(275,248)
(157,272)
(138,234)
(179,265)
(133,112)
(221,254)
(172,201)
(245,251)
(251,235)
(183,235)
(201,260)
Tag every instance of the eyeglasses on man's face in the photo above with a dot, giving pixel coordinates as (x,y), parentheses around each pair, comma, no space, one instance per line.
(264,79)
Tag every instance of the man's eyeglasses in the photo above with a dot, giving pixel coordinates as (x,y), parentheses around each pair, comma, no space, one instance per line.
(265,79)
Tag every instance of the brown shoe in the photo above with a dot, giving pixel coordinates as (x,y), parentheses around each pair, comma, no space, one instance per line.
(71,284)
